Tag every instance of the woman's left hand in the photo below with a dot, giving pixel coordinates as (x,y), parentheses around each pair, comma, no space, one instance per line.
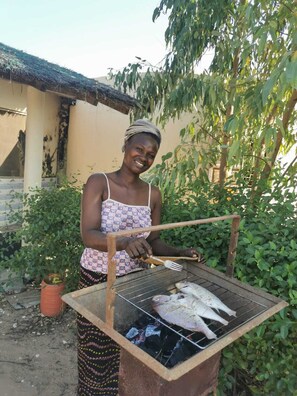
(190,252)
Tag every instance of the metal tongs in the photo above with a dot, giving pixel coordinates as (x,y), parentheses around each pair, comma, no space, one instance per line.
(168,264)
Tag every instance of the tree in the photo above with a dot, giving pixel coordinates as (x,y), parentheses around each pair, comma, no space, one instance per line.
(248,95)
(243,117)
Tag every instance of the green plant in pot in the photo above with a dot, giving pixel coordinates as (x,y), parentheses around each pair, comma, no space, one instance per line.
(50,235)
(51,289)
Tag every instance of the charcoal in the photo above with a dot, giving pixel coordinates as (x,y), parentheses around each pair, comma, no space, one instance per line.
(161,342)
(153,343)
(181,352)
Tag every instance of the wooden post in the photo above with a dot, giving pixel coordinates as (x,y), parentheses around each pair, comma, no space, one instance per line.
(34,139)
(232,246)
(111,277)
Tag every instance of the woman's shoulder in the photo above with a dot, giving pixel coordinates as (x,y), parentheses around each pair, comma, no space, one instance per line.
(155,193)
(155,189)
(96,177)
(96,181)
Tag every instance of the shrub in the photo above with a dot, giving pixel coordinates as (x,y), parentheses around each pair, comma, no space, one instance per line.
(262,362)
(50,235)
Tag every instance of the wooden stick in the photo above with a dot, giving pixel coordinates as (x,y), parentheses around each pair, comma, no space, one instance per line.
(111,277)
(173,225)
(232,246)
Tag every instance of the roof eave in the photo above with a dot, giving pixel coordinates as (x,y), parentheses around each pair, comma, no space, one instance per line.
(119,101)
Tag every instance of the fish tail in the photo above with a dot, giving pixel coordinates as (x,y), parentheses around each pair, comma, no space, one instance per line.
(218,318)
(210,334)
(231,313)
(205,330)
(226,309)
(224,322)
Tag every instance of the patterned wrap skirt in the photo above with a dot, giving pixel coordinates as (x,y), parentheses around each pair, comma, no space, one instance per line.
(98,355)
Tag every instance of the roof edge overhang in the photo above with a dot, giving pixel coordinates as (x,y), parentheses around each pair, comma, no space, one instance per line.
(27,69)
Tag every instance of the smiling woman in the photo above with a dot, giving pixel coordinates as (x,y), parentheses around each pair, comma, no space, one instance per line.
(112,202)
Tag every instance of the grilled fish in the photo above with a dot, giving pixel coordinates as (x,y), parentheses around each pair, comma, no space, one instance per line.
(199,307)
(174,312)
(204,295)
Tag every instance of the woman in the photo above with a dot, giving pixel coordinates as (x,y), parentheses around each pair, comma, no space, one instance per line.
(112,202)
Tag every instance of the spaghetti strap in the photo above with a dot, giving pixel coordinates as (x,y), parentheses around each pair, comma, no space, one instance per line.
(149,197)
(108,188)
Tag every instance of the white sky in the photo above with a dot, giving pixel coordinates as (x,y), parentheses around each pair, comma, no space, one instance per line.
(87,36)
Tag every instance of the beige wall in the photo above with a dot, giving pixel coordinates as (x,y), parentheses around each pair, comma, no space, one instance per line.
(13,114)
(12,120)
(10,157)
(95,139)
(13,96)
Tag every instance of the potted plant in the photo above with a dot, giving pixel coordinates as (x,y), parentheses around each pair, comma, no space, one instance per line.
(50,235)
(52,287)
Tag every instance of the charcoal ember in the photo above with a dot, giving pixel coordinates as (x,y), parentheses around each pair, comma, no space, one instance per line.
(180,353)
(143,321)
(169,340)
(162,343)
(153,343)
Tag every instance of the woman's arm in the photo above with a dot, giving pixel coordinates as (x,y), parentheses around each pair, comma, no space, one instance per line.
(160,248)
(91,205)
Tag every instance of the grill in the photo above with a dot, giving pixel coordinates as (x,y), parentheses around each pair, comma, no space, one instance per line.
(118,303)
(248,305)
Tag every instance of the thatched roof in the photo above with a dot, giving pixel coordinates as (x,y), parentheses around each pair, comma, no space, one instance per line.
(27,69)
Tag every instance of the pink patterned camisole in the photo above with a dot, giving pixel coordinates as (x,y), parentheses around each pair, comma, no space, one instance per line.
(117,216)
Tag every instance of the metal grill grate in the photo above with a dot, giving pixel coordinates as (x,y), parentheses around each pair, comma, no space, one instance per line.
(139,294)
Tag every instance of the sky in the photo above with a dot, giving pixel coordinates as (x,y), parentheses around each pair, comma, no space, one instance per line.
(87,36)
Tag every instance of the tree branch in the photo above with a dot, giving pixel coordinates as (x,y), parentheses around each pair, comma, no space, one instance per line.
(229,111)
(285,121)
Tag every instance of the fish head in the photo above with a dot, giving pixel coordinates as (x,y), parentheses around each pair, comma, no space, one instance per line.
(160,299)
(182,286)
(176,296)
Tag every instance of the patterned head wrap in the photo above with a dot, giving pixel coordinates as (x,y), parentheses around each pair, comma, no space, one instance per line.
(141,126)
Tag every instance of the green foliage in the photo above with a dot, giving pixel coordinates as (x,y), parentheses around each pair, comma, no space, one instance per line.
(50,234)
(243,106)
(243,118)
(264,361)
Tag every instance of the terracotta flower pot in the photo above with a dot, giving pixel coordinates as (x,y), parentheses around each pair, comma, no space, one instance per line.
(51,303)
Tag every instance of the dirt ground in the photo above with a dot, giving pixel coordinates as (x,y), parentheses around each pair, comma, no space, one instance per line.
(37,353)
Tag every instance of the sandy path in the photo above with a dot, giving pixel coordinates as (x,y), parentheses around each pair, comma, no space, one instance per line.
(37,354)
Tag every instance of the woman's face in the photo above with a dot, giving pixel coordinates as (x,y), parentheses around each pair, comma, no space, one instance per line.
(140,152)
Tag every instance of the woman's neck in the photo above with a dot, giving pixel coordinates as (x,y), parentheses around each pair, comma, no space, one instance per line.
(125,177)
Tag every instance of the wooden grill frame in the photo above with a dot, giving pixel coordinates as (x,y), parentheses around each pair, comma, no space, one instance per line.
(78,299)
(111,247)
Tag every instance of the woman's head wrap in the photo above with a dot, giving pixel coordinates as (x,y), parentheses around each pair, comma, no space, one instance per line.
(141,126)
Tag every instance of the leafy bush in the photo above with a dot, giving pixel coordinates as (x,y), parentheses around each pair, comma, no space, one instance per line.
(264,361)
(50,235)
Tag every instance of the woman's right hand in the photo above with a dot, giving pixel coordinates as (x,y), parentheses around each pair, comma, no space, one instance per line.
(137,247)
